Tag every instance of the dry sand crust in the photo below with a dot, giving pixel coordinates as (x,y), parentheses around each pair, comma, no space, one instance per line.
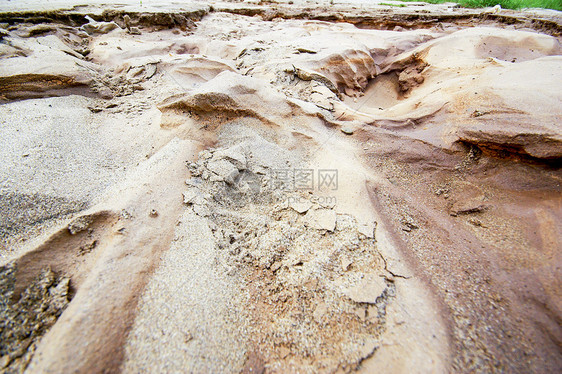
(144,229)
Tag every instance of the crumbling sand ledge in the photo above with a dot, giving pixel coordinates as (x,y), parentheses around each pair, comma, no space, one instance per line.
(377,18)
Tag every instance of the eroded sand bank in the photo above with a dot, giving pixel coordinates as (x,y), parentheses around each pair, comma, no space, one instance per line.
(281,187)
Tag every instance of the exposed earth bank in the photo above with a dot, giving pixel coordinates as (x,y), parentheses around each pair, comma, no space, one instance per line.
(280,187)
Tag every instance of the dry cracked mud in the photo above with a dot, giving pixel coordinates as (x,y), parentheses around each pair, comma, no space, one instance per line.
(280,186)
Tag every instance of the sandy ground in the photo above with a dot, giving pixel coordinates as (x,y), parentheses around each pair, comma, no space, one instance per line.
(279,187)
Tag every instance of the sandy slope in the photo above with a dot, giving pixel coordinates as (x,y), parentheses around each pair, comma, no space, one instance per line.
(158,160)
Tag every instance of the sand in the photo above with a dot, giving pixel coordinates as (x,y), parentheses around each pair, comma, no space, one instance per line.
(282,187)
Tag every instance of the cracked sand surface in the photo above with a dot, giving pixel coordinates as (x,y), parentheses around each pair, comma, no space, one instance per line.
(144,149)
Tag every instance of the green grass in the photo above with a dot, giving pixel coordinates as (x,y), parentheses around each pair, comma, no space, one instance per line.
(506,4)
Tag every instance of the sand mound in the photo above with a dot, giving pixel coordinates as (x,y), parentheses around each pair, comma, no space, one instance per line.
(462,78)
